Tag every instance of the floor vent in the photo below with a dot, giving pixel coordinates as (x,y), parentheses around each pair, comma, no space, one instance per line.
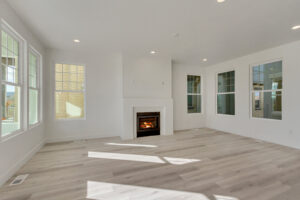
(19,180)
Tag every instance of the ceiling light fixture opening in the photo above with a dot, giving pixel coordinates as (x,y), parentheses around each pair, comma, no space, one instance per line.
(220,1)
(153,52)
(296,27)
(204,59)
(76,41)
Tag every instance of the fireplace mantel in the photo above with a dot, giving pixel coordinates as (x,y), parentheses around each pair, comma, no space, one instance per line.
(132,106)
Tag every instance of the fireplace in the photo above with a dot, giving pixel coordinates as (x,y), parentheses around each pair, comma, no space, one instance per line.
(148,124)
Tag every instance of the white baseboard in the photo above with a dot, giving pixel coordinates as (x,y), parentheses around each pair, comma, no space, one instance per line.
(74,138)
(255,138)
(11,171)
(187,129)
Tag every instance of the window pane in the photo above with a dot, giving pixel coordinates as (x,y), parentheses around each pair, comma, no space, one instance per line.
(194,103)
(80,77)
(58,67)
(80,86)
(226,82)
(59,86)
(66,77)
(4,39)
(70,86)
(267,76)
(226,104)
(73,77)
(58,76)
(267,105)
(66,68)
(73,68)
(10,43)
(69,105)
(32,71)
(33,106)
(80,69)
(4,56)
(16,48)
(9,58)
(194,84)
(10,109)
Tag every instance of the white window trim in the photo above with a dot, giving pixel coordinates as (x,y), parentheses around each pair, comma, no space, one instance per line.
(217,89)
(22,79)
(201,93)
(54,91)
(251,90)
(39,57)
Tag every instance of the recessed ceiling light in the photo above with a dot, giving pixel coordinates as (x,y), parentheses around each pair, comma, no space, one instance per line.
(76,41)
(220,1)
(296,27)
(204,59)
(153,52)
(176,35)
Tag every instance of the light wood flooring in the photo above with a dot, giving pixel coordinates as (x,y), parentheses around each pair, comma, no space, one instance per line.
(199,164)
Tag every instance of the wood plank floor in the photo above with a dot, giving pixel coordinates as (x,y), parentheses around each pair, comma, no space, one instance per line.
(199,164)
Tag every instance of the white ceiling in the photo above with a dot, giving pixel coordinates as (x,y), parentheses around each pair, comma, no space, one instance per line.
(206,28)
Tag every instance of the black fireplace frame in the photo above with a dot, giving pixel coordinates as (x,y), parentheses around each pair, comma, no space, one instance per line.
(151,131)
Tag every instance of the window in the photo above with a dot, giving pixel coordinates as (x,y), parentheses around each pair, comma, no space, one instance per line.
(34,86)
(11,84)
(226,93)
(194,94)
(266,91)
(70,91)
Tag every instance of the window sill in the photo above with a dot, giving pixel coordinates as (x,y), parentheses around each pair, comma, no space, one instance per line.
(63,120)
(35,125)
(11,135)
(265,119)
(226,115)
(196,114)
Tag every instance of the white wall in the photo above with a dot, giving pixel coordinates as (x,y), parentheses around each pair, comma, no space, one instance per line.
(15,151)
(103,96)
(285,132)
(147,87)
(147,77)
(183,120)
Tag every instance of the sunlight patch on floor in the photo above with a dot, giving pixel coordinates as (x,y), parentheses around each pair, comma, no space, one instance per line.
(180,161)
(141,158)
(218,197)
(132,145)
(130,157)
(110,191)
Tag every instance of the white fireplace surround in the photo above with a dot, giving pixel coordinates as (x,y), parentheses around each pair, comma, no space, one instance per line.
(133,106)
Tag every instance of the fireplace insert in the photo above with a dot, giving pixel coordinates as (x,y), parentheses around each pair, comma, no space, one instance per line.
(148,124)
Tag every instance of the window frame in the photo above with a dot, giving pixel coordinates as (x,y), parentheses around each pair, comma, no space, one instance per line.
(251,89)
(54,91)
(22,79)
(187,93)
(39,73)
(217,92)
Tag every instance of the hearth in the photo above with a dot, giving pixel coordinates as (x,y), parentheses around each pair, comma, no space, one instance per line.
(148,124)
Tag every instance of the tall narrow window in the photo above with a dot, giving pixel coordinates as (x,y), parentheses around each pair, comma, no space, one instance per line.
(266,91)
(194,94)
(226,93)
(34,86)
(11,84)
(70,91)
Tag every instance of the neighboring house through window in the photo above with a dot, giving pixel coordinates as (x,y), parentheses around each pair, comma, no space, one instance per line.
(266,90)
(193,94)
